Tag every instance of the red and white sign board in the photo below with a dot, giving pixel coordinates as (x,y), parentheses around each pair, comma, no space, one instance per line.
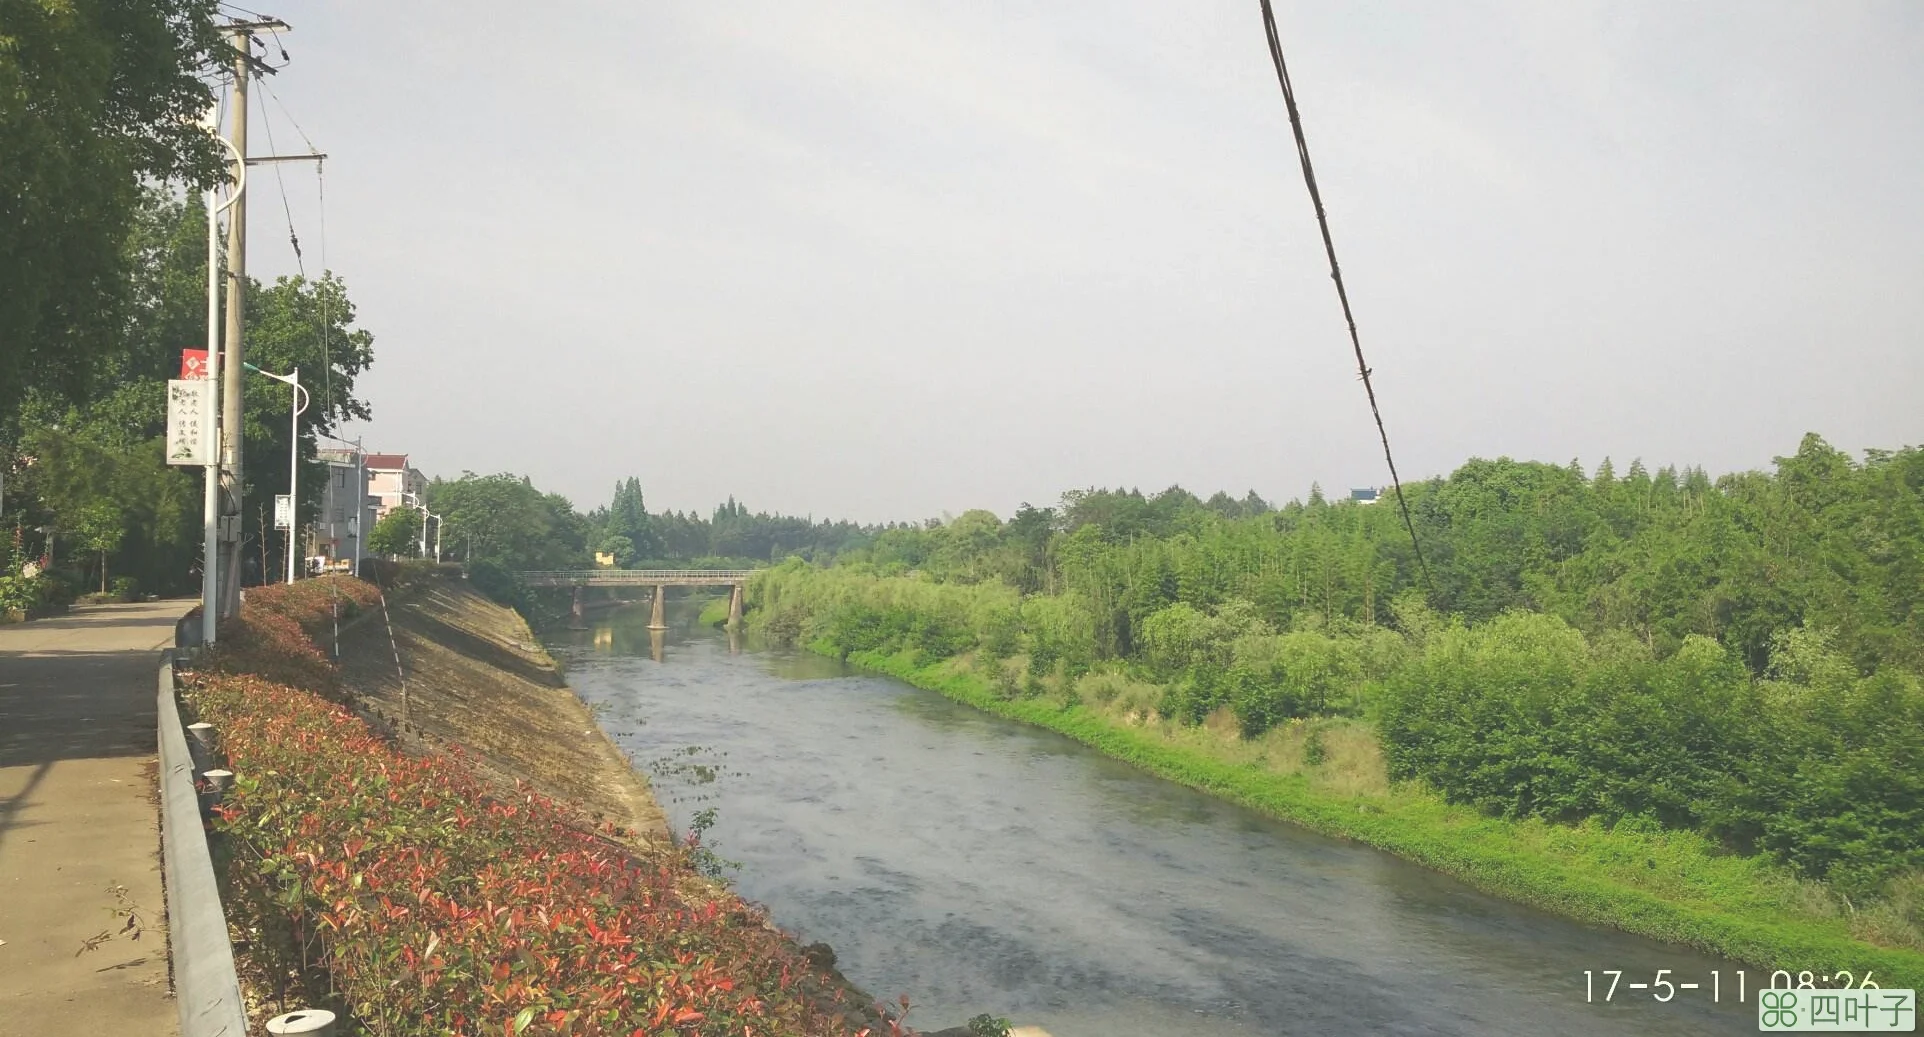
(193,363)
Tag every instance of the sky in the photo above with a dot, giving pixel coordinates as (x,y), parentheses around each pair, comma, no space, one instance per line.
(890,260)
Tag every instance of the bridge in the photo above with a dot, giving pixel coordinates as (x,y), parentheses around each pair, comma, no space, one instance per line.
(659,579)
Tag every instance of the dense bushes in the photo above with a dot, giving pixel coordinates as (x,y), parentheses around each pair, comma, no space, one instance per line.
(860,628)
(1299,674)
(434,907)
(1835,784)
(38,595)
(796,603)
(1521,716)
(18,594)
(1231,658)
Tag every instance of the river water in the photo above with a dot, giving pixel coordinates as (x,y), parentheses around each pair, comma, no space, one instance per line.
(977,864)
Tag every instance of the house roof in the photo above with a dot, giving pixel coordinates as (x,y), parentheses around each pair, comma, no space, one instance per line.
(393,462)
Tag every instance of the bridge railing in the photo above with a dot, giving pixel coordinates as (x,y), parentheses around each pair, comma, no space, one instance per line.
(634,577)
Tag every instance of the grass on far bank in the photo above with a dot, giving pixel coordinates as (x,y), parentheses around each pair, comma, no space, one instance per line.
(1328,775)
(714,612)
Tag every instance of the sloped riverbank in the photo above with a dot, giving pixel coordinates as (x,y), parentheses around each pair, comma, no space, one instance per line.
(475,675)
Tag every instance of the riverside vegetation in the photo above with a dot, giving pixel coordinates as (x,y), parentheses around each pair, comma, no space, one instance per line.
(1687,708)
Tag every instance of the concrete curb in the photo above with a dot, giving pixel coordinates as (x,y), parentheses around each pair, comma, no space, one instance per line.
(205,985)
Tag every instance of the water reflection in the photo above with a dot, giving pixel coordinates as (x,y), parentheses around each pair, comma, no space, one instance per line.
(625,630)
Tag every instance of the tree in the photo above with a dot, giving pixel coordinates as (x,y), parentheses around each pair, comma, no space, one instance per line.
(82,473)
(96,97)
(628,518)
(964,541)
(503,520)
(397,533)
(115,432)
(309,325)
(99,529)
(621,549)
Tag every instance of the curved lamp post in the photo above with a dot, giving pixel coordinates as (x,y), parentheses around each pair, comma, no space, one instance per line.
(296,407)
(425,516)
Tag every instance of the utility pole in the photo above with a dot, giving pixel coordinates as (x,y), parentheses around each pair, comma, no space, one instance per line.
(232,389)
(232,392)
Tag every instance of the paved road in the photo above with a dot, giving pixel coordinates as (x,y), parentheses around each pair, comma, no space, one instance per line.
(78,817)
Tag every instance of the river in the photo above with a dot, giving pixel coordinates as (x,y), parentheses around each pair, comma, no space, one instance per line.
(976,864)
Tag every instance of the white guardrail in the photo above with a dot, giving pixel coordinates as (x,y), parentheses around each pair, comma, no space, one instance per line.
(205,985)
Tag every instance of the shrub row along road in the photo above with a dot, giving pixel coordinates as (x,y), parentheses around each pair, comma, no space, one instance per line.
(78,821)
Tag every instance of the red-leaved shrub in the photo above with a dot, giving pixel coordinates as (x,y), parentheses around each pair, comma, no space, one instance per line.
(281,627)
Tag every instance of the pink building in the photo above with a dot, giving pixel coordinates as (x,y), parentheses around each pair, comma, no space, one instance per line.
(390,479)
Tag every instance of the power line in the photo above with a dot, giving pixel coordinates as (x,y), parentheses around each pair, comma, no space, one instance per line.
(320,180)
(282,47)
(291,121)
(267,123)
(1336,274)
(327,358)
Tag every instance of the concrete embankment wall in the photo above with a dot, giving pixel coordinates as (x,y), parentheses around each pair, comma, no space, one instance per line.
(471,673)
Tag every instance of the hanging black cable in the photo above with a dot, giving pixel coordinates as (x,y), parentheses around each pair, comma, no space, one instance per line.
(320,183)
(1336,274)
(293,239)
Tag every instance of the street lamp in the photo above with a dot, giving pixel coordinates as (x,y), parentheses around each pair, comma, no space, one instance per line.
(297,405)
(425,516)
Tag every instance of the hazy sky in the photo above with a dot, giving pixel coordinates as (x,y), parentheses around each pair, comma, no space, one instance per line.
(884,260)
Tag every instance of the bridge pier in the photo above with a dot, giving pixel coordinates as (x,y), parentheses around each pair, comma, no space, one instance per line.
(736,580)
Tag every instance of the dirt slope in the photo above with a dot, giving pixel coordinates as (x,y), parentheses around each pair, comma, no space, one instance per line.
(476,677)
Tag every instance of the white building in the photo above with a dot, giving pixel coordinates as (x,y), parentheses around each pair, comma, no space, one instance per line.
(341,525)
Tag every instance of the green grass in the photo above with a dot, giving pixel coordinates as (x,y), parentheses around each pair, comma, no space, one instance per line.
(1671,886)
(714,613)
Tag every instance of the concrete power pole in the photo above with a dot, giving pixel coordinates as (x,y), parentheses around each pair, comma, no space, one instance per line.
(231,371)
